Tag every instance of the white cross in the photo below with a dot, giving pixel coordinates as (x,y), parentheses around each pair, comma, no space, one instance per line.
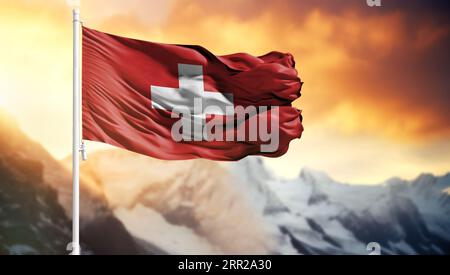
(191,89)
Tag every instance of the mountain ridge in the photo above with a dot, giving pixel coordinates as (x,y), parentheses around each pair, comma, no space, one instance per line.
(398,214)
(31,180)
(133,204)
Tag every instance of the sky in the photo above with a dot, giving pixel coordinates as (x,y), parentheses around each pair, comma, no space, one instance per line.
(376,93)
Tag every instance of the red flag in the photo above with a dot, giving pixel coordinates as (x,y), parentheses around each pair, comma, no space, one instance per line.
(183,102)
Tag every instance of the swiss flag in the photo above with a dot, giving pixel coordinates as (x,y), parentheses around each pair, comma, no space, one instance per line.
(183,102)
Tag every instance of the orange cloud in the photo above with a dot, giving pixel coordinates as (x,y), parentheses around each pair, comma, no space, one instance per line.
(381,65)
(376,73)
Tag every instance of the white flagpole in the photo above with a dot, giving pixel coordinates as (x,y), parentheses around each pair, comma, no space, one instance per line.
(76,135)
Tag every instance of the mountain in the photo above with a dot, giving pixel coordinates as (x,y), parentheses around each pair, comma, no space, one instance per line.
(317,215)
(192,207)
(133,204)
(205,207)
(36,203)
(31,219)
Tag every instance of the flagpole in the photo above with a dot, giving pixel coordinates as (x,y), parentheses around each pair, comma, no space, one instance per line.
(76,135)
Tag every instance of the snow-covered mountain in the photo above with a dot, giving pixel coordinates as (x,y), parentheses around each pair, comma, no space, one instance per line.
(316,215)
(133,204)
(202,207)
(36,203)
(192,207)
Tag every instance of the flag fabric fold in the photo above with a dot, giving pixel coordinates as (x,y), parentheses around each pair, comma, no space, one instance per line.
(129,88)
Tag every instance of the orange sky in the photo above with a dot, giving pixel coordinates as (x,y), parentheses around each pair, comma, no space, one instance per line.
(375,99)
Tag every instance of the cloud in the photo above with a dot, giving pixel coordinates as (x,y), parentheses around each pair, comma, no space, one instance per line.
(378,73)
(387,68)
